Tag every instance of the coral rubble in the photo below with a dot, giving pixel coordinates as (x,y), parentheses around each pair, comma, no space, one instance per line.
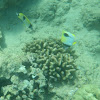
(25,86)
(49,55)
(87,92)
(19,82)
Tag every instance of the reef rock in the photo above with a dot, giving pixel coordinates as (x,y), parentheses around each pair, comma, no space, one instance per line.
(51,12)
(91,17)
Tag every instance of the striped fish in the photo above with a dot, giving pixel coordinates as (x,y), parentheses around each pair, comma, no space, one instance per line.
(25,20)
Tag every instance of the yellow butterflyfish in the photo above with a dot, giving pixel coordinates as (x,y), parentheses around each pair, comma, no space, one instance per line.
(25,20)
(67,38)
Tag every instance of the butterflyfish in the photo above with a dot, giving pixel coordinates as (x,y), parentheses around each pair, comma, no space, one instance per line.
(68,38)
(25,20)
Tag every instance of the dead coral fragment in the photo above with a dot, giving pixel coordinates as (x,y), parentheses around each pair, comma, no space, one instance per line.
(56,62)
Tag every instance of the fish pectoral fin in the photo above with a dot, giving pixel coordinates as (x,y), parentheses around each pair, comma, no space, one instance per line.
(74,43)
(73,35)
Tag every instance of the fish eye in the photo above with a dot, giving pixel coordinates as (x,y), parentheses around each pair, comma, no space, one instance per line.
(23,17)
(65,34)
(17,14)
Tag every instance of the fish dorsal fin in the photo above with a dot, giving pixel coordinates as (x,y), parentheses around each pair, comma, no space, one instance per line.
(64,32)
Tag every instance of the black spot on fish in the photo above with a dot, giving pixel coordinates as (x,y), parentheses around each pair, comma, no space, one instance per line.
(65,34)
(17,14)
(30,26)
(24,18)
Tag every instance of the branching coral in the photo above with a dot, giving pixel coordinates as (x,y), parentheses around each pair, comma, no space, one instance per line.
(49,55)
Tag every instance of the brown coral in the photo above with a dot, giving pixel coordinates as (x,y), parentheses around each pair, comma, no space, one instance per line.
(50,56)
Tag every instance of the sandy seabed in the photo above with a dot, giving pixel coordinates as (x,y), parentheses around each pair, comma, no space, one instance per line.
(49,19)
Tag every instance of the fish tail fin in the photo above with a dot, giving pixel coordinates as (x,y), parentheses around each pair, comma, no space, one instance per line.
(17,13)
